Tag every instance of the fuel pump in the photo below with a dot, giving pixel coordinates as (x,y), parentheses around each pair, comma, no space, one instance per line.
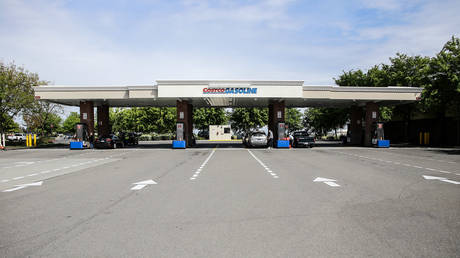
(281,141)
(378,135)
(81,138)
(179,142)
(281,131)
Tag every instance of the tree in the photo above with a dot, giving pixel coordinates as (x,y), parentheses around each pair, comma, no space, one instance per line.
(203,117)
(438,76)
(9,124)
(16,93)
(158,120)
(442,95)
(69,123)
(42,118)
(245,119)
(293,119)
(322,120)
(124,119)
(403,70)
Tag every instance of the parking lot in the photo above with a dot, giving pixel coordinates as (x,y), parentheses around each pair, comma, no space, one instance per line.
(223,200)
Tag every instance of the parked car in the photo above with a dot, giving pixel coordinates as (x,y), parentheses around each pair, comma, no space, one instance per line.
(204,134)
(256,139)
(112,141)
(129,138)
(303,139)
(17,137)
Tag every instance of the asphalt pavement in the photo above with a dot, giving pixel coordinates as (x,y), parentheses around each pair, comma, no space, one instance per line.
(222,200)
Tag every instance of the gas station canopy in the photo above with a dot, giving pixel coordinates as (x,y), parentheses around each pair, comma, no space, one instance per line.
(227,93)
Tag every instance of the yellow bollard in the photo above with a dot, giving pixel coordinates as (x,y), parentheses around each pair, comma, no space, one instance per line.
(420,138)
(35,140)
(427,138)
(27,140)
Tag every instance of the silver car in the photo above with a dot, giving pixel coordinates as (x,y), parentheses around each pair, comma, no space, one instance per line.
(257,139)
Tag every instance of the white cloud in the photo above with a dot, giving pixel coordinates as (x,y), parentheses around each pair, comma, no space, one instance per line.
(423,33)
(203,40)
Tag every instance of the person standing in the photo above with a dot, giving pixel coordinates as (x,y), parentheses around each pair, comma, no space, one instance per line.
(270,139)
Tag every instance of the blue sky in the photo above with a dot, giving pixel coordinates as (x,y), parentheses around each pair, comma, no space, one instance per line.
(136,42)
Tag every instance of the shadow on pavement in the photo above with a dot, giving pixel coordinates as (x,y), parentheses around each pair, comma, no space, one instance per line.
(450,151)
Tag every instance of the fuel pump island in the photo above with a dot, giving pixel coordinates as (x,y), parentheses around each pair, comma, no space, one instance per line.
(188,94)
(81,139)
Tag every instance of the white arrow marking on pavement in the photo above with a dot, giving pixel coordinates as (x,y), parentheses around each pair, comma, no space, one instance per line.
(23,186)
(443,179)
(329,182)
(142,184)
(433,177)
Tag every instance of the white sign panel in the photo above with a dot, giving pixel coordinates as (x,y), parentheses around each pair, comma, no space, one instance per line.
(225,91)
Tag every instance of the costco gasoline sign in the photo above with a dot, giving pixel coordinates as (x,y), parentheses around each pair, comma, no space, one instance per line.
(230,91)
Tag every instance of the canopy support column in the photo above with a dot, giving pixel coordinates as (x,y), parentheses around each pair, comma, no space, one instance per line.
(372,116)
(103,122)
(87,115)
(356,127)
(276,110)
(185,116)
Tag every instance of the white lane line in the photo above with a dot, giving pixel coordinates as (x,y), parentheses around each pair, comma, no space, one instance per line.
(274,175)
(451,181)
(416,157)
(49,171)
(198,171)
(398,163)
